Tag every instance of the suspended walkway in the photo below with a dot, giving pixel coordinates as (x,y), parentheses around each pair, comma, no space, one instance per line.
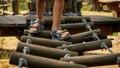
(39,51)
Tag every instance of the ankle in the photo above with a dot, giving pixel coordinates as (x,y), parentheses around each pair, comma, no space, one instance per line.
(41,20)
(55,27)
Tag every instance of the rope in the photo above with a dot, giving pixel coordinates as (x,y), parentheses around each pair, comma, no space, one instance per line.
(67,55)
(26,49)
(95,36)
(22,61)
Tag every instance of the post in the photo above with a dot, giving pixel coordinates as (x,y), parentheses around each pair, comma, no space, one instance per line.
(15,6)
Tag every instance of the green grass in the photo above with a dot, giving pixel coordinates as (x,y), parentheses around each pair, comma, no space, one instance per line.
(115,34)
(86,8)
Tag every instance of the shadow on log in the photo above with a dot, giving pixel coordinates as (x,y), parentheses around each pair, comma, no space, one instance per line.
(45,42)
(94,60)
(41,62)
(87,46)
(45,51)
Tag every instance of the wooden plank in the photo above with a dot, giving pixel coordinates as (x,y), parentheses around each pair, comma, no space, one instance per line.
(104,20)
(106,23)
(12,21)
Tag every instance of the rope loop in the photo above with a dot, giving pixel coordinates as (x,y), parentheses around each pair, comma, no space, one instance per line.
(28,41)
(103,45)
(26,49)
(88,27)
(22,62)
(118,61)
(67,55)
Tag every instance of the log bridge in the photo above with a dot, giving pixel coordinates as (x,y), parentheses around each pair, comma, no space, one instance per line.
(15,25)
(39,51)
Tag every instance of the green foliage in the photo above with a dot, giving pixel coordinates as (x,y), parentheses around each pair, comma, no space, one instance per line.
(115,33)
(86,7)
(23,5)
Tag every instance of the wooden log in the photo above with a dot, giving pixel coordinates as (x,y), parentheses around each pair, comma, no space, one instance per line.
(76,25)
(76,19)
(45,42)
(8,12)
(75,38)
(64,19)
(80,36)
(90,38)
(40,50)
(41,62)
(15,6)
(94,60)
(42,34)
(24,12)
(87,46)
(70,27)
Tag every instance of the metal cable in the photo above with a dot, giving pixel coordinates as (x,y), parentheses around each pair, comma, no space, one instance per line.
(95,36)
(26,49)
